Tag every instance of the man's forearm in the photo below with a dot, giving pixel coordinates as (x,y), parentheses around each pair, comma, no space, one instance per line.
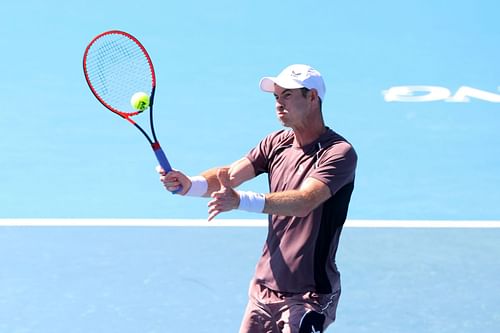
(297,202)
(212,180)
(288,203)
(239,172)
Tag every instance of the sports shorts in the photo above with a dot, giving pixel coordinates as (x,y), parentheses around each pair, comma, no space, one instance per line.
(270,311)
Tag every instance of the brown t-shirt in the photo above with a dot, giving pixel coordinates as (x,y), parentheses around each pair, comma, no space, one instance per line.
(299,253)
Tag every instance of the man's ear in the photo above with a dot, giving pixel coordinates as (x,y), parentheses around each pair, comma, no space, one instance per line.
(314,94)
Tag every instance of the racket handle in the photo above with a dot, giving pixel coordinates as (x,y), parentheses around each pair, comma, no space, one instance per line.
(162,159)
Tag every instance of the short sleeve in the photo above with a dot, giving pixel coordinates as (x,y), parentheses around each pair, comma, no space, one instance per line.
(336,166)
(260,155)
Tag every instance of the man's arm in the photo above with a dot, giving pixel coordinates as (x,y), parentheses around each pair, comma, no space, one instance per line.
(299,202)
(288,203)
(239,172)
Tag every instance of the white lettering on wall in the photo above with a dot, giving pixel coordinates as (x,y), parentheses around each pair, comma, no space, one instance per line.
(436,93)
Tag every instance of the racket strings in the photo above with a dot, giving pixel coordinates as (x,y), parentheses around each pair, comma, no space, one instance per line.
(117,68)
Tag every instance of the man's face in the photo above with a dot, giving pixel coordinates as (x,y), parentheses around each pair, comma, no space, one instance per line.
(292,107)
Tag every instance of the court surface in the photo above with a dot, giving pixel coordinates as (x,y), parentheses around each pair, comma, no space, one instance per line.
(156,276)
(91,242)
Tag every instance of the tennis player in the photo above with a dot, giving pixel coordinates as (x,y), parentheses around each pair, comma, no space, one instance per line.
(311,168)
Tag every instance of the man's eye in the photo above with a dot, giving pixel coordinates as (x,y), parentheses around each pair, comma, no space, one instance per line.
(284,96)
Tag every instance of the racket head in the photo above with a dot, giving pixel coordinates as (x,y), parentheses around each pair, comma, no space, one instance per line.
(116,66)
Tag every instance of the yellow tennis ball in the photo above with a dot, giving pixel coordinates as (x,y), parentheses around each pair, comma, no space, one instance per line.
(140,101)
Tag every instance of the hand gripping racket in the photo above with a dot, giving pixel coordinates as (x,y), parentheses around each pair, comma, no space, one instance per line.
(116,66)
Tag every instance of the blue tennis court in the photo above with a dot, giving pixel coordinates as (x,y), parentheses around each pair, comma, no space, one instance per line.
(91,242)
(161,278)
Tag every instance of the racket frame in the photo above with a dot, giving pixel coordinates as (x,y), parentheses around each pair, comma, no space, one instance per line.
(153,141)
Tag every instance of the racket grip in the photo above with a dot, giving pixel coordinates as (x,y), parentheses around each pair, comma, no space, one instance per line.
(164,163)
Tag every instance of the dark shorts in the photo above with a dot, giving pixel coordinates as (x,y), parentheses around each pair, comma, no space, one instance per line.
(269,311)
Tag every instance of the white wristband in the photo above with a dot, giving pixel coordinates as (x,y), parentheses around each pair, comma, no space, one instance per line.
(199,186)
(252,202)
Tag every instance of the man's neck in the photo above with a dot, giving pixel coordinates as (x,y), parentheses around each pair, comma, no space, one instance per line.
(306,135)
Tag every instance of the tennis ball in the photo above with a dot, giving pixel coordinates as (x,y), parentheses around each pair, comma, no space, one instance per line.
(140,101)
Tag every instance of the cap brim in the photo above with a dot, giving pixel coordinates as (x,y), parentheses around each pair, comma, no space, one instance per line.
(267,83)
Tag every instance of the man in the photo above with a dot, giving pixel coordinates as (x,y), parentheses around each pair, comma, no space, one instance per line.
(311,171)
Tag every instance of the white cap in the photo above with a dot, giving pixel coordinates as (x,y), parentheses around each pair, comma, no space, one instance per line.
(294,77)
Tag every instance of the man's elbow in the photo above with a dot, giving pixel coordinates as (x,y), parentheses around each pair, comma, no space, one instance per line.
(302,213)
(305,208)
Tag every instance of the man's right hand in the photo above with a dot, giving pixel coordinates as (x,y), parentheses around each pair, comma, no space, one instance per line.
(173,180)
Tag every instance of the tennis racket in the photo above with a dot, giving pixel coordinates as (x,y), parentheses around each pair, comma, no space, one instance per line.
(116,66)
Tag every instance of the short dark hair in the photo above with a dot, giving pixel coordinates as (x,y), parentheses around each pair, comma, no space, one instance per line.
(304,92)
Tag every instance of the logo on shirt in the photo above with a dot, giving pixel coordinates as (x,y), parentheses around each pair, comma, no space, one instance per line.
(301,169)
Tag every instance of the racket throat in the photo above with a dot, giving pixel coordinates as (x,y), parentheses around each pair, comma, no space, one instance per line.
(156,146)
(160,156)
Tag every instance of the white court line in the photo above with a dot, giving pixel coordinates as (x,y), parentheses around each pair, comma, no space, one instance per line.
(46,222)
